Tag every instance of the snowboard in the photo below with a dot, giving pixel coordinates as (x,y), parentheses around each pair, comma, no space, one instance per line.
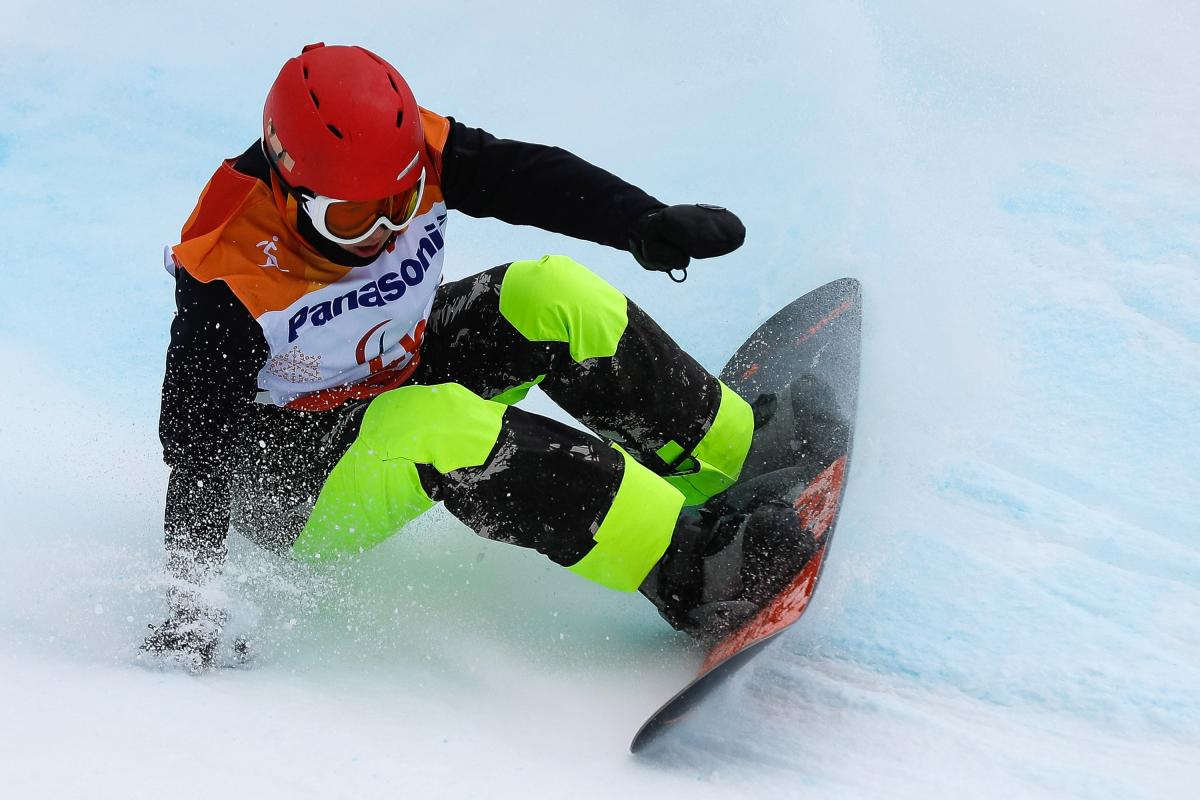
(817,335)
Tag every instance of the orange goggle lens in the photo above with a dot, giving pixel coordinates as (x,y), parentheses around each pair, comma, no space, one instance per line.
(348,220)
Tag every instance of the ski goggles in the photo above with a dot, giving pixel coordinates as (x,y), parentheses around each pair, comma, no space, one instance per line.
(352,222)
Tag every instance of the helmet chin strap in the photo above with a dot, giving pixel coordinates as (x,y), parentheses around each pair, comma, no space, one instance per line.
(387,243)
(328,249)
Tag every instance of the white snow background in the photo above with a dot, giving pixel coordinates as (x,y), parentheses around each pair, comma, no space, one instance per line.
(1011,604)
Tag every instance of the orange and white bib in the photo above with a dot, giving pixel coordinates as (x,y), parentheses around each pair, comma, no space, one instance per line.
(334,333)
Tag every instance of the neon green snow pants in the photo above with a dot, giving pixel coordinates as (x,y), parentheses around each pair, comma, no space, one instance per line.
(604,506)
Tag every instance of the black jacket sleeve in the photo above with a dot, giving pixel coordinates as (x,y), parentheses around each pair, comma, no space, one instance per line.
(533,184)
(213,361)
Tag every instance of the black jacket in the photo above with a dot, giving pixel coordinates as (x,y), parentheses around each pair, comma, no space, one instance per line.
(217,348)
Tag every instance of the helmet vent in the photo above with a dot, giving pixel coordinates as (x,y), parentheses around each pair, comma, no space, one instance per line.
(392,81)
(313,95)
(334,131)
(400,118)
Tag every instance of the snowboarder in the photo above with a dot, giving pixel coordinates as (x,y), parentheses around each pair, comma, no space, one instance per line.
(323,385)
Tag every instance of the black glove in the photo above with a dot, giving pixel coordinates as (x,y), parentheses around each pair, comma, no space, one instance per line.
(667,239)
(191,633)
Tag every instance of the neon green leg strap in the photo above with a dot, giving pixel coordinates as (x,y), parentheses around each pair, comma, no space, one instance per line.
(716,462)
(635,532)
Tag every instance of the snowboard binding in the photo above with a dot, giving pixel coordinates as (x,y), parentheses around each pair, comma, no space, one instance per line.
(720,571)
(732,556)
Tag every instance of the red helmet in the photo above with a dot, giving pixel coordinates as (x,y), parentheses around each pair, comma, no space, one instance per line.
(341,122)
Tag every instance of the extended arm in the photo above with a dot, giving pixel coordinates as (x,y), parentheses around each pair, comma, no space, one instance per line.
(212,362)
(548,187)
(533,184)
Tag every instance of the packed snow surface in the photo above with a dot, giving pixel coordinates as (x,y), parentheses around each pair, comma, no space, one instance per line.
(1011,605)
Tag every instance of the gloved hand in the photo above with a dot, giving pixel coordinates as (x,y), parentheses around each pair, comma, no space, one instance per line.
(191,633)
(667,239)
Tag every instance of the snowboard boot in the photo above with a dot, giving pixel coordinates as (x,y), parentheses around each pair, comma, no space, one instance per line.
(720,570)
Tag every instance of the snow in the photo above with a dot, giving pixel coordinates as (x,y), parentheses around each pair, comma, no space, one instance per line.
(1011,605)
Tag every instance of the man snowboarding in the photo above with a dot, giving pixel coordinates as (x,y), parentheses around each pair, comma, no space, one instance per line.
(324,387)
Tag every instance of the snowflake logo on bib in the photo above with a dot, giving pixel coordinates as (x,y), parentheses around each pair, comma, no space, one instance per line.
(295,366)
